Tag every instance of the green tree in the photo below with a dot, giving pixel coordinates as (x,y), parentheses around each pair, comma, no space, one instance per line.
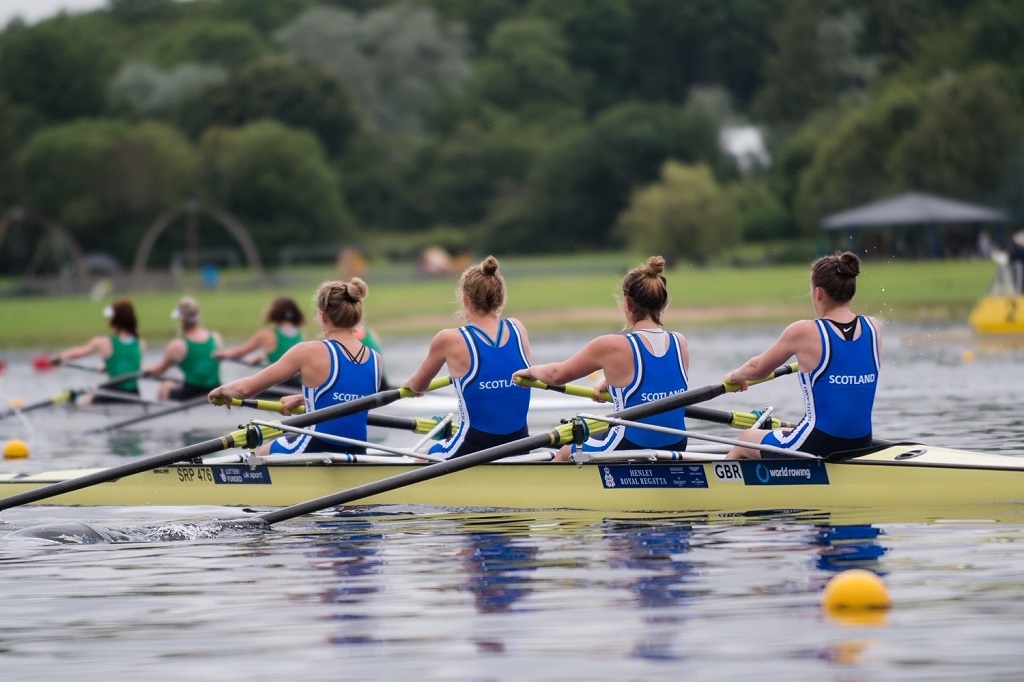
(455,181)
(958,136)
(143,88)
(760,213)
(582,181)
(684,214)
(675,46)
(597,32)
(223,43)
(265,15)
(15,127)
(479,16)
(816,62)
(146,169)
(106,180)
(59,68)
(849,165)
(964,141)
(297,96)
(278,182)
(525,66)
(395,61)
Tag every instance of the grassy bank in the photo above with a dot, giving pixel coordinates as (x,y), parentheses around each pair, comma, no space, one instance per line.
(548,294)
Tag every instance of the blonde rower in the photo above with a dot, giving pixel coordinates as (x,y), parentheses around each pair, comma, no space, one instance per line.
(481,357)
(334,370)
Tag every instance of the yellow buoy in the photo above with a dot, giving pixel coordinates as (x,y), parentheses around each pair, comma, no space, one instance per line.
(855,590)
(15,449)
(968,356)
(17,403)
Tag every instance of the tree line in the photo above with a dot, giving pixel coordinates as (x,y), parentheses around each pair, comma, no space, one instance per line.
(510,126)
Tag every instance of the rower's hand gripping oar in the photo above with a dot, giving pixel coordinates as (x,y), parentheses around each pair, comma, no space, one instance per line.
(415,424)
(735,419)
(238,438)
(566,433)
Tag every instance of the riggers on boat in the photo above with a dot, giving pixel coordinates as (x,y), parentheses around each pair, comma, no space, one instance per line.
(897,476)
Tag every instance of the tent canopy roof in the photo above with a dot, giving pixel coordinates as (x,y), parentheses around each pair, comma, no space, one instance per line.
(912,208)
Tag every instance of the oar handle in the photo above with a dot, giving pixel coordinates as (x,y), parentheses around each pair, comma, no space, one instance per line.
(257,404)
(568,389)
(739,420)
(387,421)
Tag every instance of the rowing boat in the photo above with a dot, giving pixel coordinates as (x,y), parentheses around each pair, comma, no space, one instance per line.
(896,476)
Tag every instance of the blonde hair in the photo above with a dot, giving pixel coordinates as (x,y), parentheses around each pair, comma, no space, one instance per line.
(187,313)
(342,302)
(647,290)
(483,286)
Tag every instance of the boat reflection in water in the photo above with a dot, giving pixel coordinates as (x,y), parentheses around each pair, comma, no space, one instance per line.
(663,587)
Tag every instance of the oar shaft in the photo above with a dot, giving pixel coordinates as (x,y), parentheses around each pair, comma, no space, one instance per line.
(186,405)
(59,398)
(234,439)
(386,421)
(735,419)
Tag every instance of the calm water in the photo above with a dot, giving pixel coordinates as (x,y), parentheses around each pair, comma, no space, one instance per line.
(412,593)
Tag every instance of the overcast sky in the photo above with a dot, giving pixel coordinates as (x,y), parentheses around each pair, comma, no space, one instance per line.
(34,10)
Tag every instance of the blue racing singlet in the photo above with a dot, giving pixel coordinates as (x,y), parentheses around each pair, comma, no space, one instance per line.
(346,381)
(491,405)
(838,394)
(654,377)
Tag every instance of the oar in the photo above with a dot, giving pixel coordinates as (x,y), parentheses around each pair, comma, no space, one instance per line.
(238,438)
(69,395)
(557,436)
(735,419)
(56,399)
(387,421)
(44,363)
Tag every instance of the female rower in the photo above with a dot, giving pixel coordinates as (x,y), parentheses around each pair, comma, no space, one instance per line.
(121,351)
(643,365)
(481,357)
(270,343)
(334,370)
(193,353)
(838,356)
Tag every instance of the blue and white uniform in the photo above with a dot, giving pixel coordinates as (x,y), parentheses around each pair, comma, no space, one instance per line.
(492,408)
(656,375)
(838,394)
(347,380)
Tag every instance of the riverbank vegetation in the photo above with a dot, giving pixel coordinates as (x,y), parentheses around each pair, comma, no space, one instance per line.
(506,126)
(549,294)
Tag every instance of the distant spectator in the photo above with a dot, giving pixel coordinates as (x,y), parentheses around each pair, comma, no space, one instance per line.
(1017,261)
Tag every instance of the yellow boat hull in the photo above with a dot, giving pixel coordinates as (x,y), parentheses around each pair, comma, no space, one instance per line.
(998,315)
(902,476)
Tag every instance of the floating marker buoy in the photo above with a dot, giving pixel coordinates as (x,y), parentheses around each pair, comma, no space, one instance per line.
(855,590)
(968,356)
(16,403)
(15,449)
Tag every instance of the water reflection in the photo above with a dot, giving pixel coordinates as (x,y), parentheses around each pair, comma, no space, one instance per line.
(497,567)
(849,546)
(349,549)
(656,550)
